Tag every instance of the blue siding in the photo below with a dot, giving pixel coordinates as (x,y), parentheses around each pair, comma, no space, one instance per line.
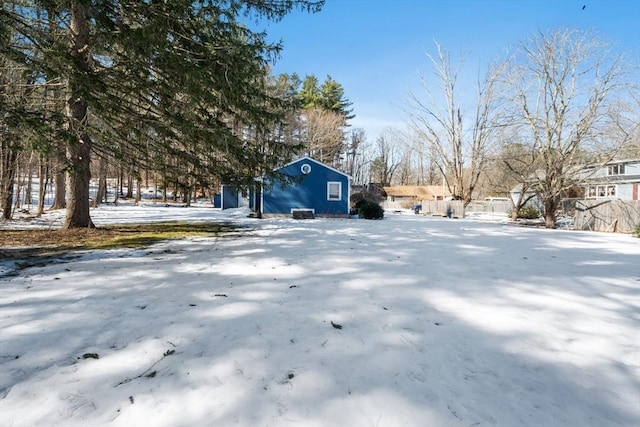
(229,197)
(309,191)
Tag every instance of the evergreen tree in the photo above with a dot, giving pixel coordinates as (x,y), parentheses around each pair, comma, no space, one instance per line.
(332,98)
(176,80)
(310,95)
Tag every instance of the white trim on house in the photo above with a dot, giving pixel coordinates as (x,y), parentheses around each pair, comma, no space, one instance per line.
(312,210)
(339,196)
(601,191)
(311,159)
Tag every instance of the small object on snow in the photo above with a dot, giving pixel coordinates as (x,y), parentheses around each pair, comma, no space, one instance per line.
(192,305)
(141,307)
(151,374)
(131,399)
(293,286)
(385,308)
(90,356)
(335,325)
(220,295)
(169,352)
(437,323)
(290,375)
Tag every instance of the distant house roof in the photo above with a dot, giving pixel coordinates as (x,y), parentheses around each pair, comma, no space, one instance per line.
(439,190)
(417,191)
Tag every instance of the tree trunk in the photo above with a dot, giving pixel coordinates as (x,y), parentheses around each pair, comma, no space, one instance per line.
(186,196)
(59,198)
(43,179)
(138,190)
(77,215)
(121,181)
(515,212)
(101,197)
(29,185)
(129,186)
(78,145)
(7,179)
(550,206)
(18,185)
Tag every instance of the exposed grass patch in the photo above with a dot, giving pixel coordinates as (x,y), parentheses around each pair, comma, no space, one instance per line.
(28,243)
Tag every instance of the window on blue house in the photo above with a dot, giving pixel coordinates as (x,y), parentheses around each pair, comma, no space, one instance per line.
(334,190)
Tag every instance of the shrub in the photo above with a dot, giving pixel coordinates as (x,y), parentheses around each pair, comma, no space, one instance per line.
(369,210)
(636,231)
(528,212)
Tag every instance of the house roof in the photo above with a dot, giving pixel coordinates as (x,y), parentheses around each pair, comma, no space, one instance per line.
(307,158)
(418,191)
(613,179)
(439,190)
(613,162)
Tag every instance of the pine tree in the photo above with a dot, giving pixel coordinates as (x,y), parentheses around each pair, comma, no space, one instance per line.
(333,99)
(170,79)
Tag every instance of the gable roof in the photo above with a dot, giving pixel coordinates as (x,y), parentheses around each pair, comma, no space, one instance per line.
(307,158)
(417,191)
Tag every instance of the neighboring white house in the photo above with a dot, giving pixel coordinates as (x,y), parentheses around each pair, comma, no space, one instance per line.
(617,179)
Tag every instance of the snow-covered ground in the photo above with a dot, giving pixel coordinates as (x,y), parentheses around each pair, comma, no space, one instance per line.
(444,322)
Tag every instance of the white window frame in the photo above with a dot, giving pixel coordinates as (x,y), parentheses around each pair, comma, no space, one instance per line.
(617,169)
(329,184)
(603,191)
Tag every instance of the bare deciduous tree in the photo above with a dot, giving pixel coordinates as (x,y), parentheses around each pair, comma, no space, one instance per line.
(323,134)
(460,144)
(387,158)
(563,87)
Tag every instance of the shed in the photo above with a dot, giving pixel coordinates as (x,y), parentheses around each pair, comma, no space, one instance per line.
(305,188)
(230,197)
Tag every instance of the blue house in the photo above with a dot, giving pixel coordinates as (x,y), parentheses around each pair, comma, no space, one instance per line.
(306,188)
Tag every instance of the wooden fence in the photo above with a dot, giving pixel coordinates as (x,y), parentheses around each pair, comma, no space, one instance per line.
(489,207)
(450,208)
(620,216)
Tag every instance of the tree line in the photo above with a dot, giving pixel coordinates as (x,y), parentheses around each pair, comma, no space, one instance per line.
(181,93)
(181,89)
(559,101)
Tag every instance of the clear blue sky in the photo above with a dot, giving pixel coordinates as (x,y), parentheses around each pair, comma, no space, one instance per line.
(375,48)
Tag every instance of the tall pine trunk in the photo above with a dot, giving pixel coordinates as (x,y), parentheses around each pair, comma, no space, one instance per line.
(101,197)
(59,188)
(7,178)
(43,180)
(79,144)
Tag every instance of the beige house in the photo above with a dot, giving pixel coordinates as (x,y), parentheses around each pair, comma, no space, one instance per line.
(405,196)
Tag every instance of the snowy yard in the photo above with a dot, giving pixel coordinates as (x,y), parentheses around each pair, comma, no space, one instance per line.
(444,323)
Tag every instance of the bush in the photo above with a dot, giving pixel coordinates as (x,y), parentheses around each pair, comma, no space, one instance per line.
(369,210)
(528,212)
(636,231)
